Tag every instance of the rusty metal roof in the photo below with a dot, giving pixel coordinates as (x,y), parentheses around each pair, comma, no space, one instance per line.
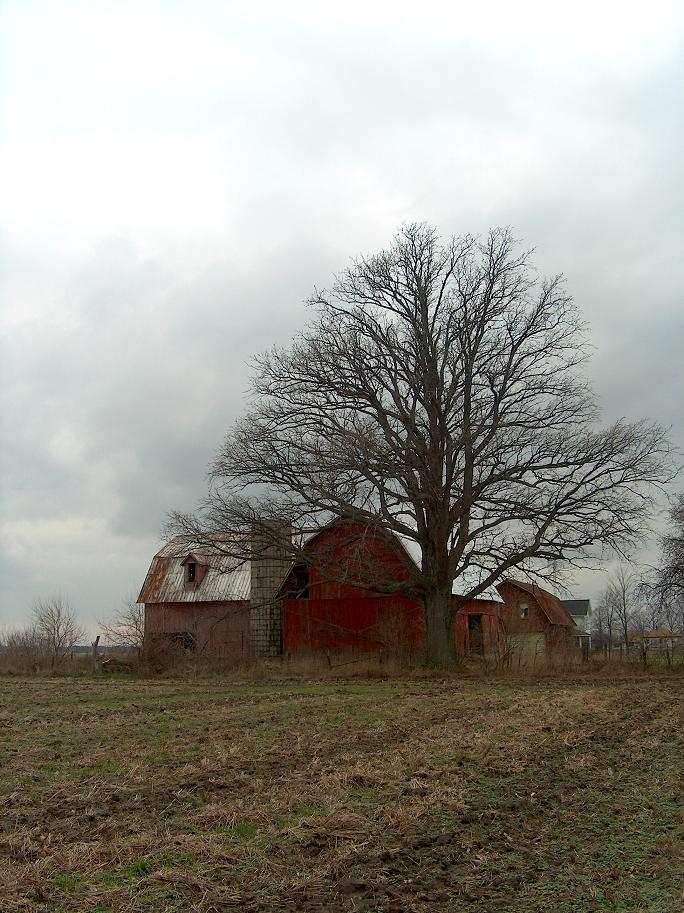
(227,578)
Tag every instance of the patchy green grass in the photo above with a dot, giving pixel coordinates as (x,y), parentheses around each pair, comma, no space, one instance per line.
(562,796)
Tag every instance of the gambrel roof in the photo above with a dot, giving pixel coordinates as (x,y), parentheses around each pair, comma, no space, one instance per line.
(550,605)
(227,578)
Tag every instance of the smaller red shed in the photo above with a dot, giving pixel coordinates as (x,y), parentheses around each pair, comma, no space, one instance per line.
(534,620)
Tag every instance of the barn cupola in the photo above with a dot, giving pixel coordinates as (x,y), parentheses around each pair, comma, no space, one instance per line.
(194,571)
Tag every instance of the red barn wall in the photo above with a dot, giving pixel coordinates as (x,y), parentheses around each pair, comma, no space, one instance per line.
(556,636)
(363,622)
(493,639)
(219,628)
(347,614)
(370,622)
(347,561)
(536,621)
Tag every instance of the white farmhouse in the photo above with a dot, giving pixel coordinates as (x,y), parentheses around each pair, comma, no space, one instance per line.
(581,613)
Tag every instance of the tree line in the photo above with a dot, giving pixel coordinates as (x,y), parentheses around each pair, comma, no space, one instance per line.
(636,601)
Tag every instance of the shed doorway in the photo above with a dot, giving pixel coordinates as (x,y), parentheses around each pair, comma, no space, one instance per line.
(475,640)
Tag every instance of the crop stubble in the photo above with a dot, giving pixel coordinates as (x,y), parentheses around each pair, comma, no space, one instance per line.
(455,795)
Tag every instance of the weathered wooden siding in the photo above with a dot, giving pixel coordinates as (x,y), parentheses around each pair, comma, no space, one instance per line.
(218,628)
(374,623)
(519,630)
(514,599)
(365,622)
(493,640)
(349,562)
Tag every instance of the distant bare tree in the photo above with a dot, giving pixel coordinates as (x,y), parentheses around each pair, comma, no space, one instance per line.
(126,627)
(622,595)
(640,626)
(439,394)
(672,615)
(663,587)
(56,626)
(604,620)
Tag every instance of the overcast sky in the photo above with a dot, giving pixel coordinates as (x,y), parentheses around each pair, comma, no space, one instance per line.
(177,177)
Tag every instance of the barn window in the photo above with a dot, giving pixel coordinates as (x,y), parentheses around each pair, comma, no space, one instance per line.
(181,640)
(299,582)
(192,569)
(524,610)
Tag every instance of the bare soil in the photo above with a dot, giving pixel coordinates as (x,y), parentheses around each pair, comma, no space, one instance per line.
(405,796)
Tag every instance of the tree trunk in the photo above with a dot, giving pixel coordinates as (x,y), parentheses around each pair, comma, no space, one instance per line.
(438,619)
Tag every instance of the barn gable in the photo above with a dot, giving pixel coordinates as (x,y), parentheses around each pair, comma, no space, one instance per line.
(550,605)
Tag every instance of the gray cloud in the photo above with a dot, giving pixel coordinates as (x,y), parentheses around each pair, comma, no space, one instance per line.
(165,220)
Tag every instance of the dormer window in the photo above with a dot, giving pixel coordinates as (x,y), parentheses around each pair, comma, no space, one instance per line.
(524,610)
(193,571)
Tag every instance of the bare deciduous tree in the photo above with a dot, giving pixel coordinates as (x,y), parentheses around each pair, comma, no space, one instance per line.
(622,595)
(672,573)
(640,627)
(56,626)
(603,630)
(439,394)
(126,627)
(671,615)
(663,587)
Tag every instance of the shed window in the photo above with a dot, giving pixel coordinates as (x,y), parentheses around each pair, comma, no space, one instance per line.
(524,610)
(192,569)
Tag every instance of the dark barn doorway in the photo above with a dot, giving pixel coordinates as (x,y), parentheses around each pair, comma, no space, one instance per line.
(475,641)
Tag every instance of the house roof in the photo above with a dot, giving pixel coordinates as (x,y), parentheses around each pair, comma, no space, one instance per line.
(577,606)
(660,633)
(550,605)
(227,578)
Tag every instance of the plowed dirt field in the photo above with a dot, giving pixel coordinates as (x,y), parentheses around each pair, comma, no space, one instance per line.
(456,795)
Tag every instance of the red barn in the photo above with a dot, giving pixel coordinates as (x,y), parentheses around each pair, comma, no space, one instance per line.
(198,599)
(326,609)
(348,593)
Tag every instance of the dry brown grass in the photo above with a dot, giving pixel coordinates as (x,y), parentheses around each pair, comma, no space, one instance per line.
(401,795)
